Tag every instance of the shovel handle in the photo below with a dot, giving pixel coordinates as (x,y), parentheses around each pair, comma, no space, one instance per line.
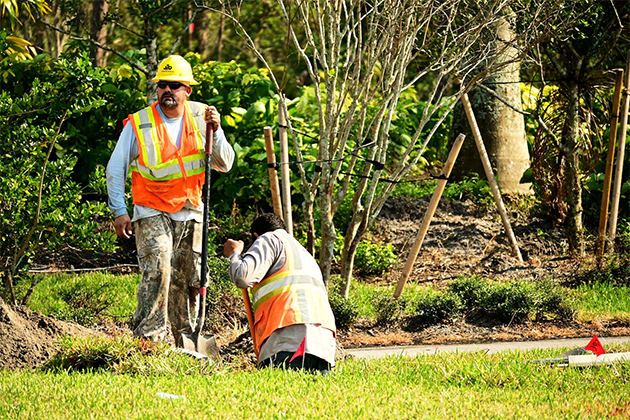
(204,238)
(250,317)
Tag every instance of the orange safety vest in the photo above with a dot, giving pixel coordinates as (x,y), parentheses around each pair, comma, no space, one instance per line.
(163,177)
(290,296)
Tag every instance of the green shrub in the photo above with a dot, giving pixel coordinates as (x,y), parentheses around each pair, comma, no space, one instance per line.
(519,300)
(389,311)
(509,301)
(345,310)
(374,258)
(471,290)
(435,307)
(41,97)
(473,188)
(550,299)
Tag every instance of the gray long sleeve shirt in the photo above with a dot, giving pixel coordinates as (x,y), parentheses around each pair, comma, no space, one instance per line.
(126,151)
(267,255)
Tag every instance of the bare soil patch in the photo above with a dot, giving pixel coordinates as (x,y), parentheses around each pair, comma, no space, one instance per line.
(463,238)
(28,339)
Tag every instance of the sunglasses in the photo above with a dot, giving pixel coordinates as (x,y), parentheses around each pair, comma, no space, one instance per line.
(172,85)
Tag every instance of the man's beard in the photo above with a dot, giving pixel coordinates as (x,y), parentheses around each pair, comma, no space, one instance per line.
(168,101)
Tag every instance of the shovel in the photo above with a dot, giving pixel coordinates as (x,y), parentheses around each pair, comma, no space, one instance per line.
(196,342)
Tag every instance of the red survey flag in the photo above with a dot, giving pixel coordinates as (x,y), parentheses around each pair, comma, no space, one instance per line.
(595,346)
(299,352)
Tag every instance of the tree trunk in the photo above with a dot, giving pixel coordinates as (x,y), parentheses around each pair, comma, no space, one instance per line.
(328,234)
(573,184)
(99,31)
(308,207)
(502,128)
(202,33)
(220,35)
(354,233)
(152,62)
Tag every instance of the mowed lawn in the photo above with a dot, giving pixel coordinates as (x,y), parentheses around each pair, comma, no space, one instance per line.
(509,385)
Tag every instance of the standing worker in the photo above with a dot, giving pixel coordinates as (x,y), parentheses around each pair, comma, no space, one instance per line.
(293,323)
(163,145)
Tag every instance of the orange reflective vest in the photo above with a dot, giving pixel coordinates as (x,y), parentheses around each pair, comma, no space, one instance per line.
(163,177)
(293,295)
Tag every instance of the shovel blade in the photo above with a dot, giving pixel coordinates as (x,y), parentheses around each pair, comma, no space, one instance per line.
(201,344)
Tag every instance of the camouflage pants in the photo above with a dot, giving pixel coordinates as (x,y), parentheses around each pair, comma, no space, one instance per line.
(169,256)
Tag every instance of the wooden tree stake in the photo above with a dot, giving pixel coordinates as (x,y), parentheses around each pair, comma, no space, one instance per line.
(610,160)
(284,168)
(435,200)
(621,147)
(273,173)
(490,175)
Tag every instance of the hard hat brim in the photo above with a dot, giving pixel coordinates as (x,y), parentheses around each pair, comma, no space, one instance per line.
(185,80)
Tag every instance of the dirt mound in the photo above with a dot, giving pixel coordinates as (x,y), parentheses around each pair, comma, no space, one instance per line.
(28,339)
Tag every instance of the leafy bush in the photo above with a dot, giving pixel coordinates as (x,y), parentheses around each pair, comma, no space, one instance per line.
(473,188)
(247,103)
(519,300)
(344,310)
(41,97)
(374,258)
(471,290)
(389,311)
(416,189)
(438,306)
(514,300)
(509,301)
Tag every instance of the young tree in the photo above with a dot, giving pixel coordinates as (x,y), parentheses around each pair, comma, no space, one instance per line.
(359,55)
(573,62)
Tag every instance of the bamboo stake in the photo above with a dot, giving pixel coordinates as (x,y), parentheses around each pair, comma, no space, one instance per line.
(435,200)
(621,147)
(490,175)
(284,168)
(610,159)
(273,173)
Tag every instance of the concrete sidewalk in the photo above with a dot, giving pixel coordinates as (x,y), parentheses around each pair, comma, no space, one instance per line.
(569,343)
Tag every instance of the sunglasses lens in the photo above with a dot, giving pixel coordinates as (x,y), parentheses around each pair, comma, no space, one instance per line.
(172,85)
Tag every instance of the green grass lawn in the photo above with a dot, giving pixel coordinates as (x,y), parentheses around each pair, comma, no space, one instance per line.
(603,301)
(442,386)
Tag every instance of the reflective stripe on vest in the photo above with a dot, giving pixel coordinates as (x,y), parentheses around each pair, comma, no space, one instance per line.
(290,296)
(149,162)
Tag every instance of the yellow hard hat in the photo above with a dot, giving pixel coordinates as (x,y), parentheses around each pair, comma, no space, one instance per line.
(175,68)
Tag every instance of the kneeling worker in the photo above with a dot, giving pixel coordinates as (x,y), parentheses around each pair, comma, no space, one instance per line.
(293,323)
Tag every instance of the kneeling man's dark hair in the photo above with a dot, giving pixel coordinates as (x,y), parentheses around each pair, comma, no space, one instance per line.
(267,222)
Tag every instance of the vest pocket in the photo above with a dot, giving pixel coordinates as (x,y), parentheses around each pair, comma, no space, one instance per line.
(158,187)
